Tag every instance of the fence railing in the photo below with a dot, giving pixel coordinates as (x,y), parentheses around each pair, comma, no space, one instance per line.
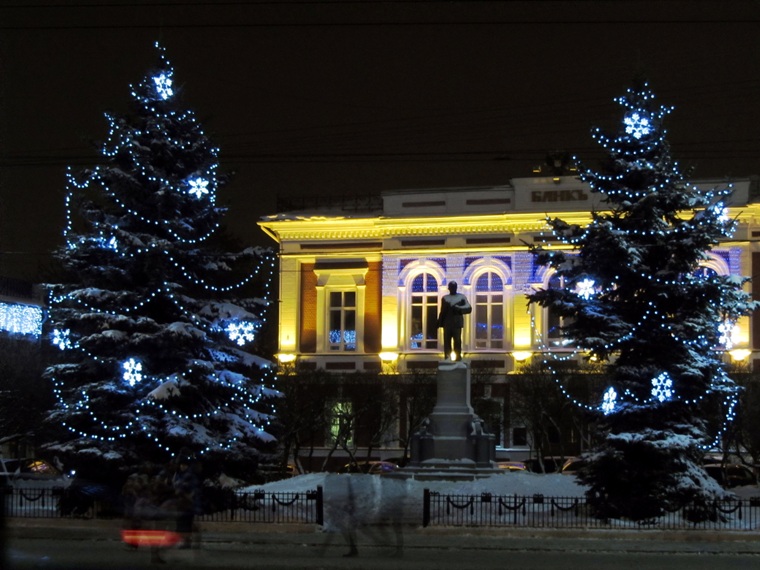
(539,511)
(486,509)
(262,507)
(253,507)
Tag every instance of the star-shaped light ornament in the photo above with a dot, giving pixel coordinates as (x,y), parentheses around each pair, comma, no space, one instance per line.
(662,387)
(198,187)
(132,371)
(163,83)
(585,288)
(609,400)
(637,125)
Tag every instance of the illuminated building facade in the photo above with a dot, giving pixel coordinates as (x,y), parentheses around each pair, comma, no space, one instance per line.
(360,289)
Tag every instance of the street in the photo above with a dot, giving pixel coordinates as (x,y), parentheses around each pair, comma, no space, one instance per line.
(448,549)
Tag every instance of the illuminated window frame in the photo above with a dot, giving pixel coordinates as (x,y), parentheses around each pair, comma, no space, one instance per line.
(475,272)
(426,304)
(341,320)
(334,279)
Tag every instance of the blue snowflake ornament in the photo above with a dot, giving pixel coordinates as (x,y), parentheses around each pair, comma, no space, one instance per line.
(241,333)
(662,387)
(609,401)
(61,338)
(585,288)
(163,83)
(132,371)
(637,125)
(198,187)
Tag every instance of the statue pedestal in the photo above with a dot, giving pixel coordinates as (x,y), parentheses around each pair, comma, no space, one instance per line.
(452,443)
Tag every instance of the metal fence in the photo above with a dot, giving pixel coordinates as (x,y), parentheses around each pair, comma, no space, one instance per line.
(253,507)
(262,507)
(539,511)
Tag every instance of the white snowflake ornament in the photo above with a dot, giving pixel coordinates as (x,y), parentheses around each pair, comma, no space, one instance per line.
(198,187)
(585,288)
(163,84)
(241,332)
(132,371)
(637,125)
(609,400)
(662,387)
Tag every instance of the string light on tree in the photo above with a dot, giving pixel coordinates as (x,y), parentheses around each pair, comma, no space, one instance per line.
(652,309)
(148,280)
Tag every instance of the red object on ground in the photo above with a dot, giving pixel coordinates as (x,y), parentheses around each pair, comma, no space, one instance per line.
(141,537)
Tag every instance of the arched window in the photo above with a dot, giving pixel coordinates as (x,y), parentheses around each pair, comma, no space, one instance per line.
(488,321)
(554,322)
(423,313)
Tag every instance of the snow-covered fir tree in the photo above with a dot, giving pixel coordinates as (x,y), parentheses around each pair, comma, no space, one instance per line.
(156,320)
(636,296)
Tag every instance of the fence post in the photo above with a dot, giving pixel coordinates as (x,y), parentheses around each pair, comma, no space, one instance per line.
(320,506)
(426,508)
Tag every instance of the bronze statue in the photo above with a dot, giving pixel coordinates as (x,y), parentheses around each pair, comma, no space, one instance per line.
(453,306)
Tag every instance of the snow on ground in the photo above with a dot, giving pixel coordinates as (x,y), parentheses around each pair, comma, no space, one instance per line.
(507,483)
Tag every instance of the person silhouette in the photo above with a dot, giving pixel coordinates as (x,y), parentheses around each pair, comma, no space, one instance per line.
(453,307)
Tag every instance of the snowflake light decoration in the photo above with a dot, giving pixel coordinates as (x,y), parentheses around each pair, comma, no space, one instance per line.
(585,288)
(721,212)
(198,187)
(163,83)
(637,125)
(662,387)
(609,401)
(132,371)
(241,333)
(61,338)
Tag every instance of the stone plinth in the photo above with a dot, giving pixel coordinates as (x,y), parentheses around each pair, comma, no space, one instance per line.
(452,443)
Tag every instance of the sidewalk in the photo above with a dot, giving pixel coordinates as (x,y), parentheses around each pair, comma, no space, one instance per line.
(216,535)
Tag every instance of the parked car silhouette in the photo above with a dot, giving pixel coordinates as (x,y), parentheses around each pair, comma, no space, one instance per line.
(31,473)
(572,465)
(371,467)
(512,465)
(731,474)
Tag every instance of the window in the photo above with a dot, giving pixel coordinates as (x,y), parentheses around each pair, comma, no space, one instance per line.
(554,322)
(519,436)
(424,313)
(342,321)
(341,424)
(489,311)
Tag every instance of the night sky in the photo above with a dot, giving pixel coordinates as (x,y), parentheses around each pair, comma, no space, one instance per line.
(341,97)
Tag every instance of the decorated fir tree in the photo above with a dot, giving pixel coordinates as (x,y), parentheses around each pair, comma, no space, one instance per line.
(637,297)
(156,321)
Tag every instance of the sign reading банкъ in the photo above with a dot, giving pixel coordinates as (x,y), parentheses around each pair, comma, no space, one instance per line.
(543,194)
